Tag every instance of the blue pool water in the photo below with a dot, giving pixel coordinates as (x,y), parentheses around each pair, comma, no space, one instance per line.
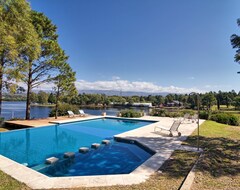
(116,158)
(33,146)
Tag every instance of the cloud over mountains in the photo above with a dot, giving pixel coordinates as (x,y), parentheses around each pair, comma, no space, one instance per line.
(135,86)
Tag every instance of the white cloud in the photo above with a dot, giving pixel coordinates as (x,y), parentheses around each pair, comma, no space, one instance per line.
(45,86)
(116,84)
(135,86)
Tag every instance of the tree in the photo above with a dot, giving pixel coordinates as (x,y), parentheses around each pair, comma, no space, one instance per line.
(51,98)
(17,35)
(235,41)
(42,97)
(64,84)
(219,97)
(34,97)
(209,100)
(42,69)
(237,102)
(169,98)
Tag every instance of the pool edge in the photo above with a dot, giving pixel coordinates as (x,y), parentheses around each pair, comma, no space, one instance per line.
(36,180)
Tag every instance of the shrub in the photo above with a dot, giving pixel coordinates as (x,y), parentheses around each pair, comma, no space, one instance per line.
(131,113)
(204,115)
(225,118)
(160,113)
(191,112)
(63,108)
(165,113)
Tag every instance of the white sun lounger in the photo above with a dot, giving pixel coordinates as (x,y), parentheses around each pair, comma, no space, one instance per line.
(81,113)
(173,128)
(70,114)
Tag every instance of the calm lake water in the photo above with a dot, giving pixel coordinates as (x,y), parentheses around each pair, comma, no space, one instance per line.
(17,110)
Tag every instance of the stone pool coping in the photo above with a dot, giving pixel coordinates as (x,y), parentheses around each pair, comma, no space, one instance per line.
(162,145)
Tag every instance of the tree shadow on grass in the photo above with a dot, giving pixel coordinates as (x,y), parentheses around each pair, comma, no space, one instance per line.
(221,155)
(179,164)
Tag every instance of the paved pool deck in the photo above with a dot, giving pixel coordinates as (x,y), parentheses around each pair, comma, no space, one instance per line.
(160,143)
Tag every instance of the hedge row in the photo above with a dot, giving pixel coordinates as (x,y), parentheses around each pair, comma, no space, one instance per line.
(165,113)
(225,118)
(130,113)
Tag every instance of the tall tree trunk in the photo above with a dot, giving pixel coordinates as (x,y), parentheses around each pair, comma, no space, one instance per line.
(1,82)
(57,103)
(218,104)
(29,90)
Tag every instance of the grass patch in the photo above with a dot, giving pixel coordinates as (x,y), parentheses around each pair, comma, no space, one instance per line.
(8,183)
(219,168)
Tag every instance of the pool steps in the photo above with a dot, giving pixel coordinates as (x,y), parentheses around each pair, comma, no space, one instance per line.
(95,145)
(67,155)
(58,168)
(83,150)
(105,141)
(51,160)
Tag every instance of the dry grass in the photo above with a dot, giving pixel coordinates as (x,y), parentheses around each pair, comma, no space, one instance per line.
(8,183)
(220,166)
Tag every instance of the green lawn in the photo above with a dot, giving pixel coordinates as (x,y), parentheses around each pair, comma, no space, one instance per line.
(220,166)
(8,183)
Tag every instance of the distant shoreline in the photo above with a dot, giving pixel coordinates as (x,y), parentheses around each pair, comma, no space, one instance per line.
(43,105)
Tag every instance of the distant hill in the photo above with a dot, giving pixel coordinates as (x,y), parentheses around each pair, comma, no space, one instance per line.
(121,93)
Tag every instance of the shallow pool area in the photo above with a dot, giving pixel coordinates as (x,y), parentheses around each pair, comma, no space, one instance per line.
(115,158)
(31,147)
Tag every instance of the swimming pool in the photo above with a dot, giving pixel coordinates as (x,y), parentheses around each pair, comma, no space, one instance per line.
(32,146)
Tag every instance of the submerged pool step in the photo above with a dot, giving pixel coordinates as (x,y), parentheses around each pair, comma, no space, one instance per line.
(40,167)
(51,160)
(95,145)
(83,149)
(106,142)
(69,155)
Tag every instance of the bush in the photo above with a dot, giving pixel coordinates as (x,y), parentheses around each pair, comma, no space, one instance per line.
(190,112)
(131,113)
(165,113)
(160,113)
(63,108)
(225,118)
(204,115)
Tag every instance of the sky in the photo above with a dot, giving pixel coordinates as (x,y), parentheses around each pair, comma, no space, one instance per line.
(148,45)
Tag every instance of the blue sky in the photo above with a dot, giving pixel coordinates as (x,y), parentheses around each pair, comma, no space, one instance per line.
(148,45)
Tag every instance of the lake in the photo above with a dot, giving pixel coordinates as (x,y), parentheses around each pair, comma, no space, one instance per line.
(17,110)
